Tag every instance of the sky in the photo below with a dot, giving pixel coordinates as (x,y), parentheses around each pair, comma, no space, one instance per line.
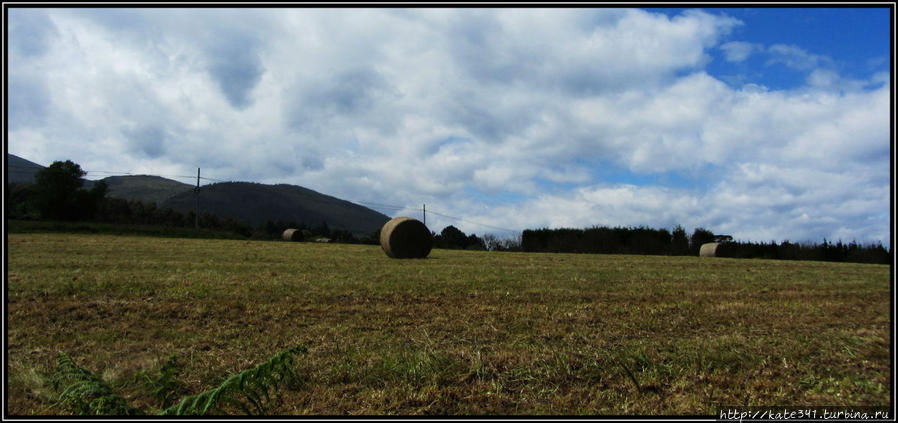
(767,124)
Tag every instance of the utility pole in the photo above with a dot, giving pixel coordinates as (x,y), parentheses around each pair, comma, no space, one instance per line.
(425,214)
(196,221)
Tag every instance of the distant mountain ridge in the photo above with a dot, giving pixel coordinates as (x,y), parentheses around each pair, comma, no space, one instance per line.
(249,202)
(19,170)
(256,204)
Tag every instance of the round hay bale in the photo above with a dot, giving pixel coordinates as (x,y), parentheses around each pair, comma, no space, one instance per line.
(293,235)
(708,250)
(404,237)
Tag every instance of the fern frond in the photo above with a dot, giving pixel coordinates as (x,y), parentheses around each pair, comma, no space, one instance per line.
(166,384)
(253,385)
(85,393)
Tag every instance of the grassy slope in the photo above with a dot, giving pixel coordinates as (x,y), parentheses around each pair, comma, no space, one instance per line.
(145,188)
(458,333)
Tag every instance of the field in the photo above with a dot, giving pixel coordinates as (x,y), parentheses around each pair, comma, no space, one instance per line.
(458,333)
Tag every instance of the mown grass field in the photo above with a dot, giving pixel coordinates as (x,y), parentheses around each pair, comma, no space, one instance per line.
(459,333)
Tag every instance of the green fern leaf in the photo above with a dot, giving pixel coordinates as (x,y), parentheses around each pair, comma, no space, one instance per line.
(252,384)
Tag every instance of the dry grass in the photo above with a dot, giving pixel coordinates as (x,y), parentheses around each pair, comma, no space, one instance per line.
(459,333)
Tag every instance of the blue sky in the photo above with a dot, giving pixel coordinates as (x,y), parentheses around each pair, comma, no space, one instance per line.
(852,41)
(764,123)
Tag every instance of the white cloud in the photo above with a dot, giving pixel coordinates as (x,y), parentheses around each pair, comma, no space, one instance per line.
(738,51)
(796,57)
(442,106)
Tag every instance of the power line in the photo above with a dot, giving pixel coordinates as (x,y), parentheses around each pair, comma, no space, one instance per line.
(473,223)
(456,218)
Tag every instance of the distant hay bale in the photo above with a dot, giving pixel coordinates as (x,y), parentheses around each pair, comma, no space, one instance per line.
(708,250)
(293,235)
(404,237)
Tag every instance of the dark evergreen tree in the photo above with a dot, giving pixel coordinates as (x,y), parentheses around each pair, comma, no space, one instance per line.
(472,242)
(452,237)
(679,245)
(56,187)
(58,193)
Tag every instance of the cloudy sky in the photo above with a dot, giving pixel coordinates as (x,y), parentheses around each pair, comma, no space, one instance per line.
(766,124)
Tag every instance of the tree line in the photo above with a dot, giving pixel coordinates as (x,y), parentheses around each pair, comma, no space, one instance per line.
(827,251)
(618,240)
(57,194)
(644,240)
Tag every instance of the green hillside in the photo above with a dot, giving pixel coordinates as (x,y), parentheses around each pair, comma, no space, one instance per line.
(145,188)
(258,203)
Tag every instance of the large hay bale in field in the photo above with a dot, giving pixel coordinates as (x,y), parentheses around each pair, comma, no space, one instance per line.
(708,250)
(293,235)
(404,237)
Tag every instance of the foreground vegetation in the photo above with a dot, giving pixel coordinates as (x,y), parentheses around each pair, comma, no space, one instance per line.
(461,332)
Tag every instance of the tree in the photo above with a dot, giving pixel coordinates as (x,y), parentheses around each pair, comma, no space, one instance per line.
(472,242)
(512,243)
(87,203)
(58,193)
(20,200)
(322,230)
(453,237)
(700,236)
(491,242)
(679,242)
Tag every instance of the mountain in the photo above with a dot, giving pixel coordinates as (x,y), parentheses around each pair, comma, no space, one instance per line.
(145,188)
(19,170)
(249,202)
(256,204)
